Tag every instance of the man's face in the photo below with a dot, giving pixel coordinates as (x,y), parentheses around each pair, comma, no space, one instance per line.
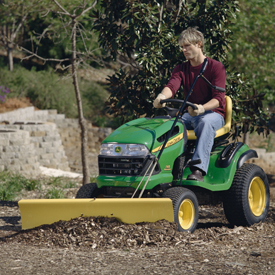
(191,51)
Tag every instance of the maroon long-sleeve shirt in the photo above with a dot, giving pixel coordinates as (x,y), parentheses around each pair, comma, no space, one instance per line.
(185,74)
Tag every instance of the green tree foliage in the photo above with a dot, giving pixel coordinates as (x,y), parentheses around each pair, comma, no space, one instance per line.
(142,36)
(50,33)
(253,45)
(36,26)
(13,17)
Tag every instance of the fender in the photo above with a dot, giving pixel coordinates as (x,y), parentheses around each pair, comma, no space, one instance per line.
(228,154)
(245,156)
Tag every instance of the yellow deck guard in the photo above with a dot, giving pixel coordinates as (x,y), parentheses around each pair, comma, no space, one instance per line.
(47,211)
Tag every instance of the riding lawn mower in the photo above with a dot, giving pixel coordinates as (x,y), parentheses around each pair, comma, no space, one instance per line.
(143,168)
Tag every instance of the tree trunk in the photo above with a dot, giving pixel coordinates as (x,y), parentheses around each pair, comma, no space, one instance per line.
(245,138)
(82,122)
(7,42)
(10,58)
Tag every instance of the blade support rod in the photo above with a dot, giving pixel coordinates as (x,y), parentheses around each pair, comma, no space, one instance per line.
(142,179)
(142,191)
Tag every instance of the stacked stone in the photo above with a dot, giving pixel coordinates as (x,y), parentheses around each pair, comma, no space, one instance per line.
(266,160)
(71,139)
(29,114)
(96,135)
(47,144)
(56,144)
(19,114)
(18,153)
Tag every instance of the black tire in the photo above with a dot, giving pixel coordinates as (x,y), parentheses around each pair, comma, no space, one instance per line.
(87,191)
(247,201)
(186,208)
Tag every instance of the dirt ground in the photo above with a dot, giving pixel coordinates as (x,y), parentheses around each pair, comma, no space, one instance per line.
(105,246)
(14,103)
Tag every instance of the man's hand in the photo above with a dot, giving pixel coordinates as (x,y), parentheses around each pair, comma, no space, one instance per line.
(199,111)
(156,102)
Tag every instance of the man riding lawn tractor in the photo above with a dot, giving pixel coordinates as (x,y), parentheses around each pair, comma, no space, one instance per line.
(209,114)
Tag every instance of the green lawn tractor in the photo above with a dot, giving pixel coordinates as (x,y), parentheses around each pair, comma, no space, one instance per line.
(150,158)
(143,166)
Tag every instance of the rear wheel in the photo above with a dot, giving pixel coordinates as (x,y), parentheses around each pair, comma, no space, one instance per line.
(87,191)
(247,201)
(186,208)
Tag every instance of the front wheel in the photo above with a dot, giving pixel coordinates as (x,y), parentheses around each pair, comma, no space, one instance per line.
(247,201)
(87,191)
(186,208)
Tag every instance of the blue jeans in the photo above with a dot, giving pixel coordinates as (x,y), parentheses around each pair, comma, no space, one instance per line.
(205,127)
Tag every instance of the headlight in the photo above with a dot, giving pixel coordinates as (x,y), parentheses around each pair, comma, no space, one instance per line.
(115,149)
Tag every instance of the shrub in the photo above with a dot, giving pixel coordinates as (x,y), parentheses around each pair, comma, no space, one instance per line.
(3,93)
(47,90)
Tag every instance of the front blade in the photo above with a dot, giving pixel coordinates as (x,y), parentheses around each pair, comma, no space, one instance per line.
(47,211)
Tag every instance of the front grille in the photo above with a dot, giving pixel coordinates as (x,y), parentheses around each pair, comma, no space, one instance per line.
(123,166)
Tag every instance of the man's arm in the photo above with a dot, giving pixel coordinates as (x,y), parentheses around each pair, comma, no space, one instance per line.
(168,92)
(165,93)
(218,79)
(211,104)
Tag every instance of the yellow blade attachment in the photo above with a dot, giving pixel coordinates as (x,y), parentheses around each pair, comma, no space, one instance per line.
(47,211)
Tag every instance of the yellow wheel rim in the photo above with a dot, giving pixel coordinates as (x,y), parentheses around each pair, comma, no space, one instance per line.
(257,196)
(186,214)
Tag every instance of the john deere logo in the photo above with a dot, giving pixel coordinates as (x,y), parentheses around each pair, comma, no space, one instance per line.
(118,149)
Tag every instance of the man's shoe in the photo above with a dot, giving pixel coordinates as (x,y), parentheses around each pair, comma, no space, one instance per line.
(196,175)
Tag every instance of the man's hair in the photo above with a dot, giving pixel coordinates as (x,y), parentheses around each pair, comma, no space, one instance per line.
(191,35)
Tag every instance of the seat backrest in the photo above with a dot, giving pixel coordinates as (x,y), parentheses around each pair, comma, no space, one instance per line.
(227,125)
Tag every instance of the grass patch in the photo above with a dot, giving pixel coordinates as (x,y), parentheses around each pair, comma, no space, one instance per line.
(55,193)
(61,182)
(70,184)
(93,179)
(5,194)
(11,185)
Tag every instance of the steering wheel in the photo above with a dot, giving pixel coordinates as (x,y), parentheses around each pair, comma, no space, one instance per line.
(172,111)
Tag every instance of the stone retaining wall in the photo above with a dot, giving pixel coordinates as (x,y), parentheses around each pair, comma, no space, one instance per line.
(26,114)
(48,139)
(17,152)
(69,131)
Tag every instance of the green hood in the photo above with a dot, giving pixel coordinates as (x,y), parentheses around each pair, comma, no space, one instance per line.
(141,131)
